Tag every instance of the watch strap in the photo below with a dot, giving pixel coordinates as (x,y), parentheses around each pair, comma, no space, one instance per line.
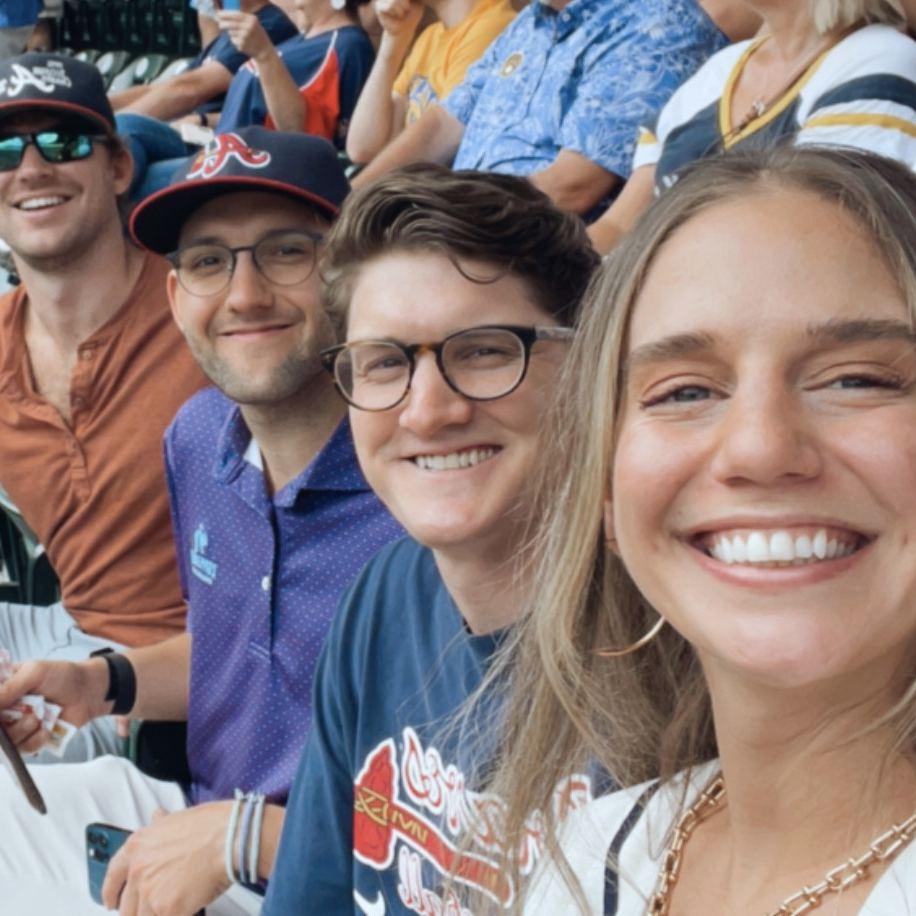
(122,680)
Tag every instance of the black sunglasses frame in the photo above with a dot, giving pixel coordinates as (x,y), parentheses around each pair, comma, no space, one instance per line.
(31,138)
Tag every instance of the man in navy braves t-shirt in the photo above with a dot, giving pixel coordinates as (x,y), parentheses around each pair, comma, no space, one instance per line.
(458,292)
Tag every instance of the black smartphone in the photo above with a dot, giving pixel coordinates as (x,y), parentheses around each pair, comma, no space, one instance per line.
(102,842)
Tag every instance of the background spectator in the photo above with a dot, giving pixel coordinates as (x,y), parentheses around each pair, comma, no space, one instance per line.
(403,85)
(201,88)
(820,73)
(308,83)
(559,95)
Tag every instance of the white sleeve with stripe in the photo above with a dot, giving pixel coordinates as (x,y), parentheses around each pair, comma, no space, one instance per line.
(871,104)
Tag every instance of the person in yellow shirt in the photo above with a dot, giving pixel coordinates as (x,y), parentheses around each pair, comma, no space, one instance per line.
(408,76)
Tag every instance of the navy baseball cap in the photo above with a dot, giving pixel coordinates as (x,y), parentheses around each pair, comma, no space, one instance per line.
(251,159)
(54,82)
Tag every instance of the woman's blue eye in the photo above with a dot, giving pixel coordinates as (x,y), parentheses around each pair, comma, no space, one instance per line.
(684,394)
(689,393)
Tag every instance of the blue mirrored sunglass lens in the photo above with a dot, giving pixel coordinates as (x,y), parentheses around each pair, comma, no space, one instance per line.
(54,146)
(60,147)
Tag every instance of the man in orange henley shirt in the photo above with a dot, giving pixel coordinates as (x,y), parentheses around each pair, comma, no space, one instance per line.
(92,370)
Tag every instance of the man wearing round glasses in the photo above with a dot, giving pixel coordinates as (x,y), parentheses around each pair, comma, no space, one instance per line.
(273,520)
(456,293)
(92,369)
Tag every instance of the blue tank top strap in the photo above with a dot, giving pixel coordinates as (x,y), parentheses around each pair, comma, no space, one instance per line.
(610,873)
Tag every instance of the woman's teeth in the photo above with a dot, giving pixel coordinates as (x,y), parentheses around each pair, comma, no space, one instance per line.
(782,548)
(454,460)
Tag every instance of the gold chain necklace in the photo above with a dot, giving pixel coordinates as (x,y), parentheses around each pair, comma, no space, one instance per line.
(881,849)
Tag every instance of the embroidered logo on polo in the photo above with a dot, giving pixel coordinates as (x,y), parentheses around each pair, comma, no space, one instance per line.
(44,79)
(222,150)
(511,63)
(414,810)
(201,565)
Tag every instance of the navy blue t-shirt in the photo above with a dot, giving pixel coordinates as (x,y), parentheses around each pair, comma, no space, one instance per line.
(274,21)
(382,790)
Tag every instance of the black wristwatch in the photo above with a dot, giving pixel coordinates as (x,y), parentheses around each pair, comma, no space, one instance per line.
(122,681)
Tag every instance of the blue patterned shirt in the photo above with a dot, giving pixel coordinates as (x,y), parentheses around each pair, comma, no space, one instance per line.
(262,576)
(583,79)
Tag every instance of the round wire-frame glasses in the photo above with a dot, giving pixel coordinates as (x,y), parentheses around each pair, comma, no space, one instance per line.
(482,363)
(283,258)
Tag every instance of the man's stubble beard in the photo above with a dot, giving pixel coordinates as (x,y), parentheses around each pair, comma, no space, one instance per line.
(291,376)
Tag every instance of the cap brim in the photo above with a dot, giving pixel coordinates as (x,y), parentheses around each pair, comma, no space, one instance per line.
(87,114)
(156,221)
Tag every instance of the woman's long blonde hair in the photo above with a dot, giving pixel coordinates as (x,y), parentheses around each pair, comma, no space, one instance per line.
(835,15)
(645,715)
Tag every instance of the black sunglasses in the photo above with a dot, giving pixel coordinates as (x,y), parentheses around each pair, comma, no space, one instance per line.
(54,146)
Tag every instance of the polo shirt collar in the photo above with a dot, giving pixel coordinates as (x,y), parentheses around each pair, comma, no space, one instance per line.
(334,467)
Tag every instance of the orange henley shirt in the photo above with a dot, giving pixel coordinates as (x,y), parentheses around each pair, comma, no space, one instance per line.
(94,492)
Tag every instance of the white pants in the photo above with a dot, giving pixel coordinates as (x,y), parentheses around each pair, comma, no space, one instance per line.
(49,632)
(43,858)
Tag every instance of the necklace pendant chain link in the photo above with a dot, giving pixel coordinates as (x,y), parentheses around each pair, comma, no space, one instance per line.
(880,849)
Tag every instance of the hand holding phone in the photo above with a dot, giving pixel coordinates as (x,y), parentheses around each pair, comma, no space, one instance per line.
(102,842)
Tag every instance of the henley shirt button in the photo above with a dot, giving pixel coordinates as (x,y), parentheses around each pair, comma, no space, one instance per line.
(77,401)
(86,354)
(265,583)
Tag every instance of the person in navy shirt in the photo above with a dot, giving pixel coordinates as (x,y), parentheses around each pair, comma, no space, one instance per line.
(201,88)
(310,83)
(326,64)
(457,292)
(273,520)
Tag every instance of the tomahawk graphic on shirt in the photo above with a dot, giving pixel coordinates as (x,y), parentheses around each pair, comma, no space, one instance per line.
(416,809)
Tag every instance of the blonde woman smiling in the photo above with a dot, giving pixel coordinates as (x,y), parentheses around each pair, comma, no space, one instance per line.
(725,602)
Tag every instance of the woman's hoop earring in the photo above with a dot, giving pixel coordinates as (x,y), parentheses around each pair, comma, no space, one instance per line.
(636,646)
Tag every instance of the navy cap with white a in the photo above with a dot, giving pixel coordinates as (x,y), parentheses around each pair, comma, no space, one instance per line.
(54,82)
(250,159)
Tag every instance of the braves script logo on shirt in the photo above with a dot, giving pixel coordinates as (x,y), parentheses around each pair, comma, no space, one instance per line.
(220,151)
(44,79)
(389,826)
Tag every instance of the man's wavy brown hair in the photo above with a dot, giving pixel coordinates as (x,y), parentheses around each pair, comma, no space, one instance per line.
(475,219)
